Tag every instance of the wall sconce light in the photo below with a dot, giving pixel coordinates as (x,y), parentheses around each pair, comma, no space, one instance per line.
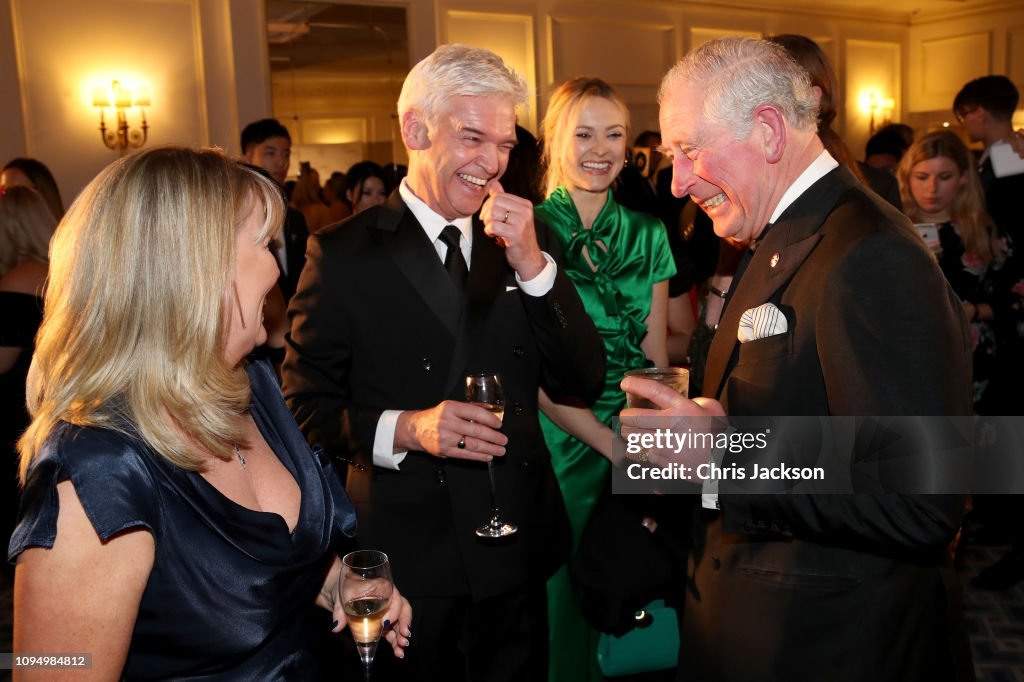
(879,106)
(122,137)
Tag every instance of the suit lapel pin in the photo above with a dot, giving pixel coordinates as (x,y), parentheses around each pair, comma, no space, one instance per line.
(775,260)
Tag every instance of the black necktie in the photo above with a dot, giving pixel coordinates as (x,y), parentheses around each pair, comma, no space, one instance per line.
(454,262)
(741,268)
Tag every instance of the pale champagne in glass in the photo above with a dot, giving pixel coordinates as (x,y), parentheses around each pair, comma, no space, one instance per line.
(365,589)
(485,390)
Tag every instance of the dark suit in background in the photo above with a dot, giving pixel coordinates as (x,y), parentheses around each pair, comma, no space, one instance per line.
(293,234)
(883,183)
(1003,200)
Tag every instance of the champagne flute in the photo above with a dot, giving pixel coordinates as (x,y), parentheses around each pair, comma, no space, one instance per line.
(365,587)
(485,390)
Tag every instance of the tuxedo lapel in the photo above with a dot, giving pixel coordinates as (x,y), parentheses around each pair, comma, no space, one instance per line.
(407,244)
(779,255)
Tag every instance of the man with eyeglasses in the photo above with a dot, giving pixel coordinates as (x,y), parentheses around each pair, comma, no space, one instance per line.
(985,107)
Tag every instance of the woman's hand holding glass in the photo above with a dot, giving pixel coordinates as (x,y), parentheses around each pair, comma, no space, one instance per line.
(398,615)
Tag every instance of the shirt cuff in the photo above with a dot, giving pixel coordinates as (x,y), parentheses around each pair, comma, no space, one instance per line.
(709,489)
(543,282)
(384,454)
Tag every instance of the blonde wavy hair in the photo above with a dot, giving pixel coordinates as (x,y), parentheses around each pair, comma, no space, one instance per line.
(137,308)
(967,211)
(26,226)
(558,126)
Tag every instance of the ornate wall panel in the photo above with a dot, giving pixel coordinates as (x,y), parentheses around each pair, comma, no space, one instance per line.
(1015,55)
(509,35)
(948,63)
(65,50)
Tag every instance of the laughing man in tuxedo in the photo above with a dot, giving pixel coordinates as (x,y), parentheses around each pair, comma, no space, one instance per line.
(811,587)
(386,323)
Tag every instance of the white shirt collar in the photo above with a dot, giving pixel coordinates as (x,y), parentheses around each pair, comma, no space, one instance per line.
(818,169)
(984,156)
(432,222)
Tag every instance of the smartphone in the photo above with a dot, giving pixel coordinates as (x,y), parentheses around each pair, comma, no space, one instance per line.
(929,232)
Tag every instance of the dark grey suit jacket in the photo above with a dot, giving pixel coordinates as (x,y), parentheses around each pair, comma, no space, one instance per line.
(817,587)
(377,324)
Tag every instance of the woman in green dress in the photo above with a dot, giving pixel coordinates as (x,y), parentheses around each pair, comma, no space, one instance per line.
(620,262)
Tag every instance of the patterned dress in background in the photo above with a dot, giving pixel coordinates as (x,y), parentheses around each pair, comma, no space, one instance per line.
(997,343)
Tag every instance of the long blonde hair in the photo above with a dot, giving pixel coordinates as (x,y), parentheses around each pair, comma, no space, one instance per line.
(556,129)
(26,226)
(967,211)
(136,312)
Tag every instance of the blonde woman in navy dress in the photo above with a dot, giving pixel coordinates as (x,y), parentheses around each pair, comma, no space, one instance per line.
(174,522)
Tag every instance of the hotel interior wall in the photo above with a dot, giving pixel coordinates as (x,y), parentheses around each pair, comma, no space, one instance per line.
(205,61)
(186,52)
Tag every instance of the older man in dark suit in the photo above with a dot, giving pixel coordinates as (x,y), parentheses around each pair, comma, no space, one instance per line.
(811,587)
(387,322)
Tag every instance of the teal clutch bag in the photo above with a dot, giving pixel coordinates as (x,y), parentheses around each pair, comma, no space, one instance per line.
(652,645)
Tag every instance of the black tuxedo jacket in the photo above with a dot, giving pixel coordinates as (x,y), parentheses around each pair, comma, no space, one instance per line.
(819,587)
(377,324)
(1003,200)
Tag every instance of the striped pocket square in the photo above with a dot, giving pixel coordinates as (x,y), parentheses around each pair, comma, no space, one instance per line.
(761,322)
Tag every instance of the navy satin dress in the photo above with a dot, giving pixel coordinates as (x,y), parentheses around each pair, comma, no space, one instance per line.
(232,591)
(21,315)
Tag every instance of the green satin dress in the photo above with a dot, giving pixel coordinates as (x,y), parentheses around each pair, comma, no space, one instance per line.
(631,253)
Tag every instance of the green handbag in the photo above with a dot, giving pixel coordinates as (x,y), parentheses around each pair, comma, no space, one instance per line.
(652,645)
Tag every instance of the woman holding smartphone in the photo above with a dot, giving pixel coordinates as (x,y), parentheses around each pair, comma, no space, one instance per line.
(939,186)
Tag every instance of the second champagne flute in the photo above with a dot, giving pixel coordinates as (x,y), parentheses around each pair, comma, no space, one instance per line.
(365,589)
(485,390)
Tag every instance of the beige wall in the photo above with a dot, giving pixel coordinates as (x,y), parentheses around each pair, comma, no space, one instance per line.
(629,44)
(947,51)
(205,62)
(632,45)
